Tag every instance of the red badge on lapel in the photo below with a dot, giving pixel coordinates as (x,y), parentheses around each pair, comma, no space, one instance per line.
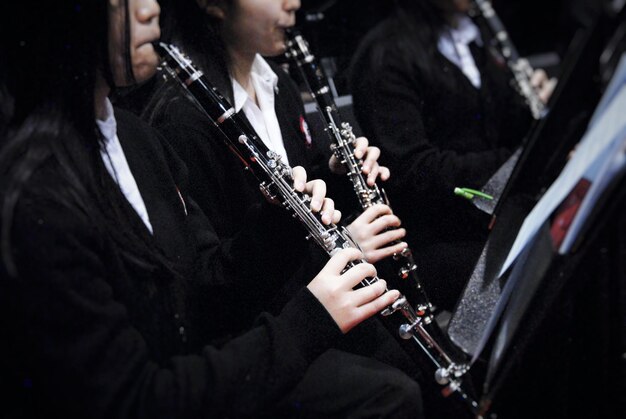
(304,128)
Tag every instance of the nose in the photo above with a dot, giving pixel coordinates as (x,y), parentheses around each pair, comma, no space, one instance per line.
(149,10)
(291,5)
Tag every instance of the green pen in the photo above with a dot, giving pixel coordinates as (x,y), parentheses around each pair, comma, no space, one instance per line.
(471,193)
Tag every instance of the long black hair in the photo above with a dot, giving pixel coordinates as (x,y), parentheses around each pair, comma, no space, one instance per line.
(198,34)
(50,66)
(414,28)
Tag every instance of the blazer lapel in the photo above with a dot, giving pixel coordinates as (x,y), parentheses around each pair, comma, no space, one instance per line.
(292,125)
(163,202)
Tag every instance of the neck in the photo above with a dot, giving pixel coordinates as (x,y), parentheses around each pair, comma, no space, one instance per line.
(101,93)
(241,68)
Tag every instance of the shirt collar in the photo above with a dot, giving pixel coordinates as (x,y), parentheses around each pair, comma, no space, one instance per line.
(108,125)
(260,73)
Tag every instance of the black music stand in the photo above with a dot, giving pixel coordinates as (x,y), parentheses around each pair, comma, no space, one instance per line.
(496,316)
(521,192)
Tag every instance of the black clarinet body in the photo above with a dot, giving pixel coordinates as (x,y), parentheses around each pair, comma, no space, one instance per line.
(342,144)
(519,67)
(276,182)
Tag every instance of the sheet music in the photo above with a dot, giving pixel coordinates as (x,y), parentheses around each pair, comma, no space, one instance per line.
(610,167)
(594,142)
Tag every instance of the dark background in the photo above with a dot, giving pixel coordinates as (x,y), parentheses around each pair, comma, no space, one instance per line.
(334,28)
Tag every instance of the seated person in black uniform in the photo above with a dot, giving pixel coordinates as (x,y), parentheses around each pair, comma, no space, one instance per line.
(227,41)
(105,259)
(438,102)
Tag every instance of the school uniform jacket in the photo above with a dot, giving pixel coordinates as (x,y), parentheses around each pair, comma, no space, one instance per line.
(90,332)
(435,134)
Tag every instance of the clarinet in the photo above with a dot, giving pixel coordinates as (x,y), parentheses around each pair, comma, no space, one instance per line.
(518,66)
(342,145)
(276,182)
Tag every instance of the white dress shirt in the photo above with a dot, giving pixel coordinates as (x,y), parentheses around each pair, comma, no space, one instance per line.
(454,45)
(262,117)
(116,164)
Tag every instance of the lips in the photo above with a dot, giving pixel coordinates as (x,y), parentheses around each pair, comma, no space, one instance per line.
(286,23)
(156,35)
(282,28)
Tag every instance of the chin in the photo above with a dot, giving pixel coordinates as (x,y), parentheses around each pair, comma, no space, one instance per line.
(277,50)
(144,73)
(145,65)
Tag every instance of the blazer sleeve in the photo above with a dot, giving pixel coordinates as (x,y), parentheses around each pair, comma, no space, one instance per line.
(265,235)
(88,358)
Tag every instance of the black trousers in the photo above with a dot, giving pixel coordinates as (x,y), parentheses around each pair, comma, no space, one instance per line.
(367,374)
(340,384)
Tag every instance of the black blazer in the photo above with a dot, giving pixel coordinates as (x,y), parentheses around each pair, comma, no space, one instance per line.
(91,332)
